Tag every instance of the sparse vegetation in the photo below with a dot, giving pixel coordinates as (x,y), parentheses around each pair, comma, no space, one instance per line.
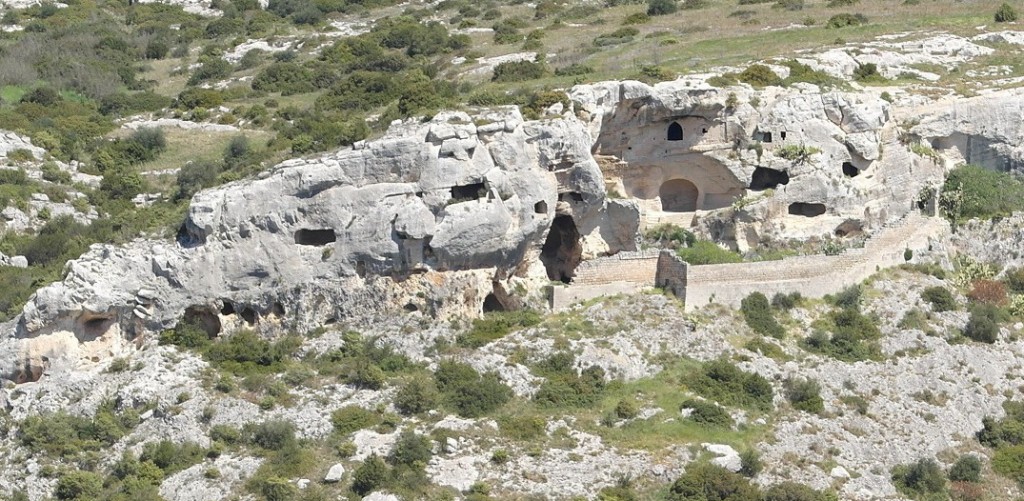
(726,384)
(759,316)
(940,298)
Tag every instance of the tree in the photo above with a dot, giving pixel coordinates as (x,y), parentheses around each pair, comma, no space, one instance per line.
(370,475)
(84,485)
(919,478)
(966,469)
(708,482)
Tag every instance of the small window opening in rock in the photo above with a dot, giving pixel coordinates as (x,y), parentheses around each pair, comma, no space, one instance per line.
(96,327)
(249,315)
(540,207)
(468,192)
(562,250)
(782,135)
(678,195)
(766,137)
(572,195)
(491,304)
(765,178)
(675,132)
(849,170)
(315,237)
(361,269)
(806,209)
(330,321)
(277,309)
(227,309)
(703,130)
(411,307)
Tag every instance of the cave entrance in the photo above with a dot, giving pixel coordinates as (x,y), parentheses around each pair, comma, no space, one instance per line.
(468,192)
(675,132)
(678,195)
(849,170)
(315,237)
(806,209)
(492,304)
(765,178)
(562,251)
(202,318)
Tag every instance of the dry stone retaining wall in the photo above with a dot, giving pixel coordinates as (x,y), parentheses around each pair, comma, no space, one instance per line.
(812,276)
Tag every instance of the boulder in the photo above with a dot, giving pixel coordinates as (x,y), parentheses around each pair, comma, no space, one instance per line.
(335,473)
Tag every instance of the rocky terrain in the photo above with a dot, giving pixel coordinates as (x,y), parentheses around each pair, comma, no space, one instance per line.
(237,280)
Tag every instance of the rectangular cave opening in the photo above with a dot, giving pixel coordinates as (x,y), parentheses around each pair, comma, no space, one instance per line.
(315,237)
(468,192)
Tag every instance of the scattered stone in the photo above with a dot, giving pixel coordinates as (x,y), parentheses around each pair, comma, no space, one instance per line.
(335,473)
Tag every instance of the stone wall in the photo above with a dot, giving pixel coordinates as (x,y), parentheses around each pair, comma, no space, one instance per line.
(812,276)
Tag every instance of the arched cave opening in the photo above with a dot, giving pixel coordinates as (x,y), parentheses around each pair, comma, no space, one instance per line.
(562,251)
(540,207)
(227,309)
(678,195)
(849,170)
(675,132)
(91,327)
(315,237)
(765,178)
(492,303)
(203,318)
(249,315)
(806,209)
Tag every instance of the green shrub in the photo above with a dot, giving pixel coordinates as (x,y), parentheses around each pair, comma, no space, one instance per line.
(1005,14)
(522,427)
(940,298)
(967,468)
(626,409)
(1014,279)
(65,436)
(971,191)
(848,298)
(564,388)
(226,434)
(705,252)
(786,302)
(792,491)
(983,324)
(574,69)
(805,395)
(845,19)
(758,315)
(211,69)
(79,485)
(245,352)
(853,337)
(353,418)
(637,18)
(704,482)
(707,414)
(921,478)
(759,75)
(272,435)
(867,73)
(519,71)
(750,463)
(411,450)
(799,72)
(372,474)
(726,384)
(416,396)
(469,393)
(661,7)
(495,325)
(790,5)
(170,457)
(1009,462)
(671,236)
(619,36)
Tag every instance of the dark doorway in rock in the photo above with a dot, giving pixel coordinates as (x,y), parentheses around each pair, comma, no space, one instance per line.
(849,170)
(571,196)
(227,309)
(249,315)
(540,207)
(492,304)
(678,195)
(765,178)
(675,132)
(468,192)
(315,237)
(203,318)
(562,250)
(766,137)
(806,209)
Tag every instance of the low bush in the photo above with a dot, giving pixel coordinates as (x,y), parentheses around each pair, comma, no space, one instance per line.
(670,236)
(750,463)
(416,396)
(759,316)
(353,418)
(704,481)
(868,73)
(983,324)
(468,392)
(792,491)
(940,298)
(919,479)
(519,71)
(522,427)
(726,384)
(705,252)
(707,414)
(971,191)
(967,468)
(661,7)
(274,435)
(171,457)
(63,435)
(370,475)
(805,395)
(759,75)
(495,325)
(245,352)
(786,302)
(1014,279)
(79,485)
(989,292)
(845,19)
(1005,14)
(564,387)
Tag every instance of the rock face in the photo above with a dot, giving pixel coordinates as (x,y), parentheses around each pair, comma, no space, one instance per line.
(747,167)
(432,217)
